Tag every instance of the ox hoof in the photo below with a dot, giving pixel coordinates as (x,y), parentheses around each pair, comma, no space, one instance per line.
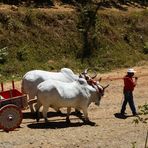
(37,119)
(59,112)
(46,120)
(32,110)
(78,113)
(88,122)
(36,115)
(67,121)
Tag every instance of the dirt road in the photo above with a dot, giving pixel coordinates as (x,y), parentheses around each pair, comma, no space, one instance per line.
(109,132)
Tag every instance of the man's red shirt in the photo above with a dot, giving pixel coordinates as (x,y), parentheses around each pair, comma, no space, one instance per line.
(129,84)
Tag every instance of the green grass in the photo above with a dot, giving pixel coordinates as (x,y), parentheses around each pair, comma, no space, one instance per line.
(50,41)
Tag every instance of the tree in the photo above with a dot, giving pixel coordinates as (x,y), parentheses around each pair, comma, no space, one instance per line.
(87,12)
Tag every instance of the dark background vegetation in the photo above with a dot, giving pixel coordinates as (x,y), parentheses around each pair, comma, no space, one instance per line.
(87,36)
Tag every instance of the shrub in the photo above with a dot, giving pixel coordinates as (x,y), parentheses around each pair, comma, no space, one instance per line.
(3,55)
(143,110)
(145,49)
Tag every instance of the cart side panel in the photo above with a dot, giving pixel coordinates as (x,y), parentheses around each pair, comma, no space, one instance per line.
(20,101)
(10,93)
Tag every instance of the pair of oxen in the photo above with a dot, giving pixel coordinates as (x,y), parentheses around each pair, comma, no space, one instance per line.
(61,89)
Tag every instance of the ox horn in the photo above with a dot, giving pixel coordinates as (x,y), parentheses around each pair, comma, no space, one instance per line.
(100,79)
(105,86)
(94,75)
(83,73)
(86,71)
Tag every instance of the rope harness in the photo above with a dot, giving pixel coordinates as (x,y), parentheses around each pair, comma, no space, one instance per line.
(120,78)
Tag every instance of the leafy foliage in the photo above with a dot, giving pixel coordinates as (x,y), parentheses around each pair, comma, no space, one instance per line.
(145,49)
(143,110)
(36,39)
(3,55)
(87,15)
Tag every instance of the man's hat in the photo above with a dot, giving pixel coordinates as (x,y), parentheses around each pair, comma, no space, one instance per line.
(131,70)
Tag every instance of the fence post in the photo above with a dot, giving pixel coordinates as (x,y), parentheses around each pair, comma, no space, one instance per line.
(13,84)
(2,86)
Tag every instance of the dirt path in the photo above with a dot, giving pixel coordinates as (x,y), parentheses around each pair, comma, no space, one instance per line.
(125,9)
(109,132)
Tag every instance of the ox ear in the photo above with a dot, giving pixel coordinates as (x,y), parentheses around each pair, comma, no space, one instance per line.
(104,87)
(100,79)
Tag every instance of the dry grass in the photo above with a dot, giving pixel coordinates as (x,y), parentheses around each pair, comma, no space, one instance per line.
(34,36)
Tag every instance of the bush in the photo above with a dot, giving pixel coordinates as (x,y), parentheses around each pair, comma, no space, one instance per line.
(145,49)
(143,110)
(3,55)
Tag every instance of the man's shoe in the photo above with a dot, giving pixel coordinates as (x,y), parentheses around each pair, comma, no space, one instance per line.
(123,114)
(135,114)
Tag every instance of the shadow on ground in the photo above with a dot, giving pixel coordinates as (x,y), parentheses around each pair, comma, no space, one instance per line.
(29,115)
(56,123)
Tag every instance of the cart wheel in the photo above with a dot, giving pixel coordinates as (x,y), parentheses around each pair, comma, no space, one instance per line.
(10,117)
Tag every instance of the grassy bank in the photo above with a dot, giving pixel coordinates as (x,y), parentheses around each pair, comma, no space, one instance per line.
(51,39)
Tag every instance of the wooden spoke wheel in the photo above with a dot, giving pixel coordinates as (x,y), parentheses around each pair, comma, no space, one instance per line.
(10,117)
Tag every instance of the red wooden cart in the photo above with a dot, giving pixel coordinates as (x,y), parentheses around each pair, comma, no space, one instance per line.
(12,102)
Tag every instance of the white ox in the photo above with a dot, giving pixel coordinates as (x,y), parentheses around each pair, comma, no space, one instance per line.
(32,78)
(77,94)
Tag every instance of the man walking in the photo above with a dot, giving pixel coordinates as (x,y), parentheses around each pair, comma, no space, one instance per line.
(129,84)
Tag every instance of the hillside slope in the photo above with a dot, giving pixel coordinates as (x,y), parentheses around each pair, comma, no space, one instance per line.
(52,38)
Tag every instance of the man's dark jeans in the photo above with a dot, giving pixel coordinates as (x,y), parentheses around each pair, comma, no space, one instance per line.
(128,98)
